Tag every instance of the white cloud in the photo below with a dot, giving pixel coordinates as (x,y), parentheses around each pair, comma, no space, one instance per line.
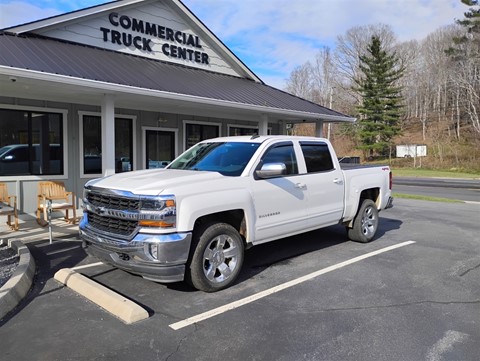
(274,36)
(19,12)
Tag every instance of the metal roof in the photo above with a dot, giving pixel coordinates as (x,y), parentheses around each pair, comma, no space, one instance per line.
(56,57)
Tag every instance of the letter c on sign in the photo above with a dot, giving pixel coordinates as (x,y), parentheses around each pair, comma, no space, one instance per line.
(137,42)
(113,19)
(165,48)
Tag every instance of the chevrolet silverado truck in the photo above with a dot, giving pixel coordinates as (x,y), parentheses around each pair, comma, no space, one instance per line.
(193,219)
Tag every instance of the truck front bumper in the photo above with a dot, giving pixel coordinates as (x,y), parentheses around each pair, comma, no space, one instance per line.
(157,257)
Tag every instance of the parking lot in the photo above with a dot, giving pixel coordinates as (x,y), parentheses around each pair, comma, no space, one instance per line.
(411,294)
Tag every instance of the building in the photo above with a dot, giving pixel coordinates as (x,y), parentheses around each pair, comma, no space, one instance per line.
(123,86)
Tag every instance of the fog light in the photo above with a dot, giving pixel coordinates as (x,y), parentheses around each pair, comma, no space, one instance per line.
(154,250)
(124,256)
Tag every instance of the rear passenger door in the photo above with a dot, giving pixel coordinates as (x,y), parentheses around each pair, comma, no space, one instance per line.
(325,185)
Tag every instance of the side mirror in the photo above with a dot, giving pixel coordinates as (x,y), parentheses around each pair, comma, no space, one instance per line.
(8,158)
(271,170)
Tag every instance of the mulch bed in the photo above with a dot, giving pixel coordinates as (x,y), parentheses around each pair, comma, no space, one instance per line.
(8,263)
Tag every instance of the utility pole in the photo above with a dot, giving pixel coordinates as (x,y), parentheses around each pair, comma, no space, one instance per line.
(329,125)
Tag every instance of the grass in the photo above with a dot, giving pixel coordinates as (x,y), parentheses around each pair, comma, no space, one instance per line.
(432,173)
(425,198)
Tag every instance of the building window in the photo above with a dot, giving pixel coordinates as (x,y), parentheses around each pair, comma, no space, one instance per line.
(196,132)
(92,144)
(31,143)
(123,145)
(234,130)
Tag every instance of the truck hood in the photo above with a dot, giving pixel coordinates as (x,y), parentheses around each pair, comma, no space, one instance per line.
(153,182)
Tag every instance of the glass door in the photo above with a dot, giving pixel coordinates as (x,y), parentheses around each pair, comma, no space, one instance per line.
(160,148)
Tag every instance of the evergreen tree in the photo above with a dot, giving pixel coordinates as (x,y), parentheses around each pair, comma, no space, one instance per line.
(380,109)
(467,46)
(472,18)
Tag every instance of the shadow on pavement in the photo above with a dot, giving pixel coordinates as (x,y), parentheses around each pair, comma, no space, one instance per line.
(49,258)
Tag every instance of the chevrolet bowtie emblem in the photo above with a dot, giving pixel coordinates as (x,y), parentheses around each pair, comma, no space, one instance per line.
(101,211)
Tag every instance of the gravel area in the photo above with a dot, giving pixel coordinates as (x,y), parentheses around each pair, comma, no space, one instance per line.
(8,263)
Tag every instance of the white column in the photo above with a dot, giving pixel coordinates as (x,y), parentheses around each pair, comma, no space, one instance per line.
(319,128)
(263,125)
(108,135)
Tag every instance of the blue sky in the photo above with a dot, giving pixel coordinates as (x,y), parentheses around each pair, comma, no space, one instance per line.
(272,37)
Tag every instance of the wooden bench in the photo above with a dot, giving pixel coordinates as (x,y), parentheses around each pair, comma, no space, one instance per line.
(61,200)
(8,206)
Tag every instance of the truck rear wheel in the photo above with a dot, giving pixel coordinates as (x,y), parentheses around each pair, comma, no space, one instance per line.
(365,224)
(216,259)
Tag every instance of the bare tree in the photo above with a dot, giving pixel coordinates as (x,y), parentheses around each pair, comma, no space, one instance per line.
(441,91)
(353,44)
(300,82)
(323,76)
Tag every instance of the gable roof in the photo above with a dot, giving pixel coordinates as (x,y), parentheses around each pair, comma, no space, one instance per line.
(28,54)
(39,26)
(54,58)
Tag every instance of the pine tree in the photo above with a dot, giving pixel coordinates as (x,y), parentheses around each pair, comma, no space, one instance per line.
(472,18)
(468,44)
(381,109)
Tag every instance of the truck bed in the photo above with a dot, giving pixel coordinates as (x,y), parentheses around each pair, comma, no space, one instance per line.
(348,166)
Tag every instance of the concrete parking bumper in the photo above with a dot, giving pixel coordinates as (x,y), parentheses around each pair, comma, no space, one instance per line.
(121,307)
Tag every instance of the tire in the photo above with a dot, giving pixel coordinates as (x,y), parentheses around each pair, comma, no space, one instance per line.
(365,224)
(216,258)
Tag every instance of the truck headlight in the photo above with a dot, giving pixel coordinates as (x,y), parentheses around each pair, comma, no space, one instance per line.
(158,212)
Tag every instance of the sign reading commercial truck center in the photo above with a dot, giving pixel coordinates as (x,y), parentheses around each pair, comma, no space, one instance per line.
(178,44)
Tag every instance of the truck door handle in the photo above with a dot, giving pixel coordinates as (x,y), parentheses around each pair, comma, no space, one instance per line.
(338,181)
(300,185)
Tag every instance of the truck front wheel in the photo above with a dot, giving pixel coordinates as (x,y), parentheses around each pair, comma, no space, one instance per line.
(216,259)
(365,224)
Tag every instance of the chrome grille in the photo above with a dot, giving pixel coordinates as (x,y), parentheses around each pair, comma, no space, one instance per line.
(113,202)
(122,227)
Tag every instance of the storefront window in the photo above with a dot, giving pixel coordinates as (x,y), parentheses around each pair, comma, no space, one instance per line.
(234,131)
(123,145)
(31,143)
(160,148)
(92,144)
(198,132)
(238,130)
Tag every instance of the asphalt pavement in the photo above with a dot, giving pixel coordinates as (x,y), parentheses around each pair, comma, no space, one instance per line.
(417,302)
(455,189)
(438,182)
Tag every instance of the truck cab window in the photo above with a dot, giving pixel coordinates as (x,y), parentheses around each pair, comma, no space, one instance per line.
(317,157)
(282,153)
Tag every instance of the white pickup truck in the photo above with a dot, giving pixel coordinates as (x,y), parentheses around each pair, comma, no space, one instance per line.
(193,219)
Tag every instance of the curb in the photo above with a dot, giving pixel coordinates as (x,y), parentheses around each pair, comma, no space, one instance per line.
(21,281)
(121,307)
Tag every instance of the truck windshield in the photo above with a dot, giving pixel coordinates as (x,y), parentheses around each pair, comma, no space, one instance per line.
(228,158)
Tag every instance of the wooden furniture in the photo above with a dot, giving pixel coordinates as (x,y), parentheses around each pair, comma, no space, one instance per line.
(8,206)
(60,199)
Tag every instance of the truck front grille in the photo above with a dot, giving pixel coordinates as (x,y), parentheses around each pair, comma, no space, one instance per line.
(122,227)
(113,202)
